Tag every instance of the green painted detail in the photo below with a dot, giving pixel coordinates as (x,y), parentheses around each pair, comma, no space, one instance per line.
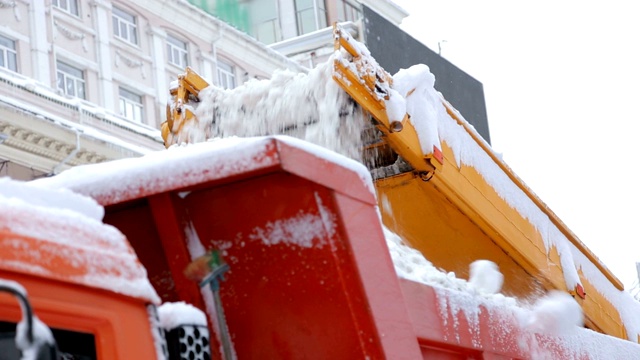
(229,11)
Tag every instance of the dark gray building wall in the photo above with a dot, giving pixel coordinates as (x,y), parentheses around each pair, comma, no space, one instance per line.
(394,49)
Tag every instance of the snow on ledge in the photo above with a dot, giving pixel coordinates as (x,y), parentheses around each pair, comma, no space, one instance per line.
(176,314)
(184,165)
(67,226)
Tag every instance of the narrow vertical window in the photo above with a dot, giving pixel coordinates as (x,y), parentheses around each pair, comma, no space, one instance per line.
(131,105)
(70,80)
(125,26)
(311,15)
(226,75)
(349,10)
(265,21)
(69,6)
(177,52)
(8,54)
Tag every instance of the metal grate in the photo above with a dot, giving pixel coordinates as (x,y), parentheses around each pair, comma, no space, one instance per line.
(189,342)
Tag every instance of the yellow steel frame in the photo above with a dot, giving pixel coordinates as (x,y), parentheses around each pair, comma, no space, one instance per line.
(457,217)
(362,87)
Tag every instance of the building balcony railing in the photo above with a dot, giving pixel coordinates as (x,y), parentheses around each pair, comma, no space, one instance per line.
(30,96)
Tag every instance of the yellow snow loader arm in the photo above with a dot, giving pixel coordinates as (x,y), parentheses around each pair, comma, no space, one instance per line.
(368,84)
(179,113)
(456,217)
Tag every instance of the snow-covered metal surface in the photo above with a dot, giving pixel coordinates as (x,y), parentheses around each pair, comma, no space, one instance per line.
(59,235)
(464,322)
(173,315)
(183,166)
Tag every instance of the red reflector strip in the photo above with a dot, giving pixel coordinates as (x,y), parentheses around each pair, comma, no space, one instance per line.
(437,154)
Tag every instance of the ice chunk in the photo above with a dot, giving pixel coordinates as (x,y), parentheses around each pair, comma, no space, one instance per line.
(485,277)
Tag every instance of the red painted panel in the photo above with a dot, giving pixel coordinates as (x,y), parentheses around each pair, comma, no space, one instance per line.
(292,290)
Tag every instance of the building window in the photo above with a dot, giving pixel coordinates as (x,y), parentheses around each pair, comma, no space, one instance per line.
(8,54)
(69,6)
(177,52)
(349,10)
(266,24)
(226,75)
(131,105)
(70,80)
(311,15)
(124,26)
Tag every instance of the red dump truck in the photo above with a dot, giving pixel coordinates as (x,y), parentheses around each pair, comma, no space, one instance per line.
(282,249)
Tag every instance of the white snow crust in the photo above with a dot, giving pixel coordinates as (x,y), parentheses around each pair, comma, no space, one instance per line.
(178,166)
(175,314)
(422,103)
(187,164)
(70,224)
(61,199)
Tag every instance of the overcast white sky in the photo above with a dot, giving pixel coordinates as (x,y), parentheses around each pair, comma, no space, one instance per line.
(561,86)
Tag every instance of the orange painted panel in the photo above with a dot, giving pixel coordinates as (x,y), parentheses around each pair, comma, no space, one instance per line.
(119,324)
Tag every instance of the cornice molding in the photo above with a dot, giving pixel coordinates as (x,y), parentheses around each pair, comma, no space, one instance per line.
(47,147)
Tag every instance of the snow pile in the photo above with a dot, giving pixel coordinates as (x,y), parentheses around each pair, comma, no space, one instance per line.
(125,179)
(176,314)
(63,200)
(50,230)
(410,264)
(308,106)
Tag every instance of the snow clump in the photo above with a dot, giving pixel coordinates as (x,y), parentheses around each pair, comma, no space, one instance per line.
(556,313)
(485,277)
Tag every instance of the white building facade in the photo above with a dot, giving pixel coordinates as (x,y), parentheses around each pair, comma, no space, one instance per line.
(85,81)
